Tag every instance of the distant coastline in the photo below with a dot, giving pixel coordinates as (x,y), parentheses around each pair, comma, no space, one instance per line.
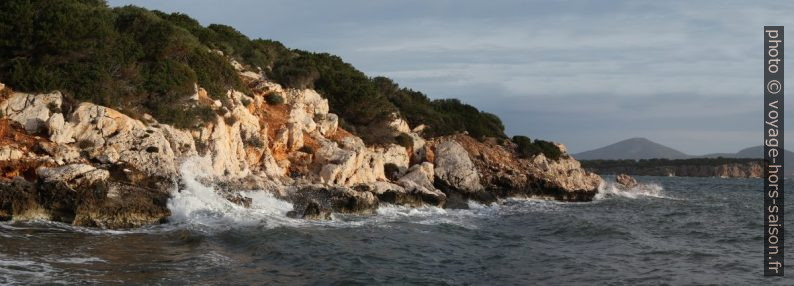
(698,167)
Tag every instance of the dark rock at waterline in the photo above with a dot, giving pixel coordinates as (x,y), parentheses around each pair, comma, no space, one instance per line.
(311,210)
(238,199)
(625,181)
(83,196)
(337,199)
(395,194)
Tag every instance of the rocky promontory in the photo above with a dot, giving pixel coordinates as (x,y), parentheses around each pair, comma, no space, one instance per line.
(90,165)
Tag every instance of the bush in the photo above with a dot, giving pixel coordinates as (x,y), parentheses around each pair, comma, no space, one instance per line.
(404,140)
(246,102)
(274,99)
(53,107)
(443,116)
(526,148)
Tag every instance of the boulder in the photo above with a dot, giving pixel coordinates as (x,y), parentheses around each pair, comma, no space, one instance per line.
(350,164)
(310,210)
(60,132)
(396,194)
(32,110)
(418,181)
(455,169)
(625,181)
(337,199)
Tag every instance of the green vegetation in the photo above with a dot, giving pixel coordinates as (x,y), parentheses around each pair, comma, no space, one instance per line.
(141,61)
(526,148)
(404,140)
(274,99)
(128,58)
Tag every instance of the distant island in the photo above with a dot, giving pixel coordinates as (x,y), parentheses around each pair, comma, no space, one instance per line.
(643,157)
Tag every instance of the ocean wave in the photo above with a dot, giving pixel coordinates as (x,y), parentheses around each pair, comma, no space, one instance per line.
(201,207)
(611,189)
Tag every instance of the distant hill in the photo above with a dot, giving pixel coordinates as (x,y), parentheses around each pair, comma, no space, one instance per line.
(634,148)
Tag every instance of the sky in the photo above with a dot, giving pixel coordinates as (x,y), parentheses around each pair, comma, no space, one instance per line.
(686,74)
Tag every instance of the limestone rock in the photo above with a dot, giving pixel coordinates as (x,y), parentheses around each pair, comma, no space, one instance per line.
(419,181)
(327,124)
(60,132)
(31,110)
(397,155)
(103,131)
(75,175)
(454,167)
(349,164)
(8,153)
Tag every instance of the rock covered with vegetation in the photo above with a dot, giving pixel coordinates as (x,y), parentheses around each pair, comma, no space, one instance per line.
(115,106)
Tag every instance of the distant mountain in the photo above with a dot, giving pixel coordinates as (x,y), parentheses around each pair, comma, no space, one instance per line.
(634,148)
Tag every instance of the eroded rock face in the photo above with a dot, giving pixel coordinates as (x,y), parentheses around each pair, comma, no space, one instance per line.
(98,167)
(504,174)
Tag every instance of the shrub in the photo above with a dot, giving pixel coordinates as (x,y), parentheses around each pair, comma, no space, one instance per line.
(526,148)
(404,140)
(245,102)
(53,107)
(274,99)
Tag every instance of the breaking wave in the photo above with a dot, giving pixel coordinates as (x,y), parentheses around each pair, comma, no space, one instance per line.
(199,205)
(611,189)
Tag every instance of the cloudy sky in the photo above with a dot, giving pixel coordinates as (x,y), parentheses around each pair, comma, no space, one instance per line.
(585,73)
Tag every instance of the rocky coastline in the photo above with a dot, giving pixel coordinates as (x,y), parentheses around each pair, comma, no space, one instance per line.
(89,165)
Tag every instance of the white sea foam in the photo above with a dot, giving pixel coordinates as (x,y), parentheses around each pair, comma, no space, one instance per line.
(197,204)
(611,189)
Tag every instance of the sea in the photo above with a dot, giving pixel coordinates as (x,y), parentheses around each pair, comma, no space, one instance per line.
(667,231)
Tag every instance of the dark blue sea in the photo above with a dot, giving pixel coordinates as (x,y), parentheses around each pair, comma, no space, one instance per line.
(669,231)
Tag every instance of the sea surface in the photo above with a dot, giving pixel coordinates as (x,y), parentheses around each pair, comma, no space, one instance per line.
(668,231)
